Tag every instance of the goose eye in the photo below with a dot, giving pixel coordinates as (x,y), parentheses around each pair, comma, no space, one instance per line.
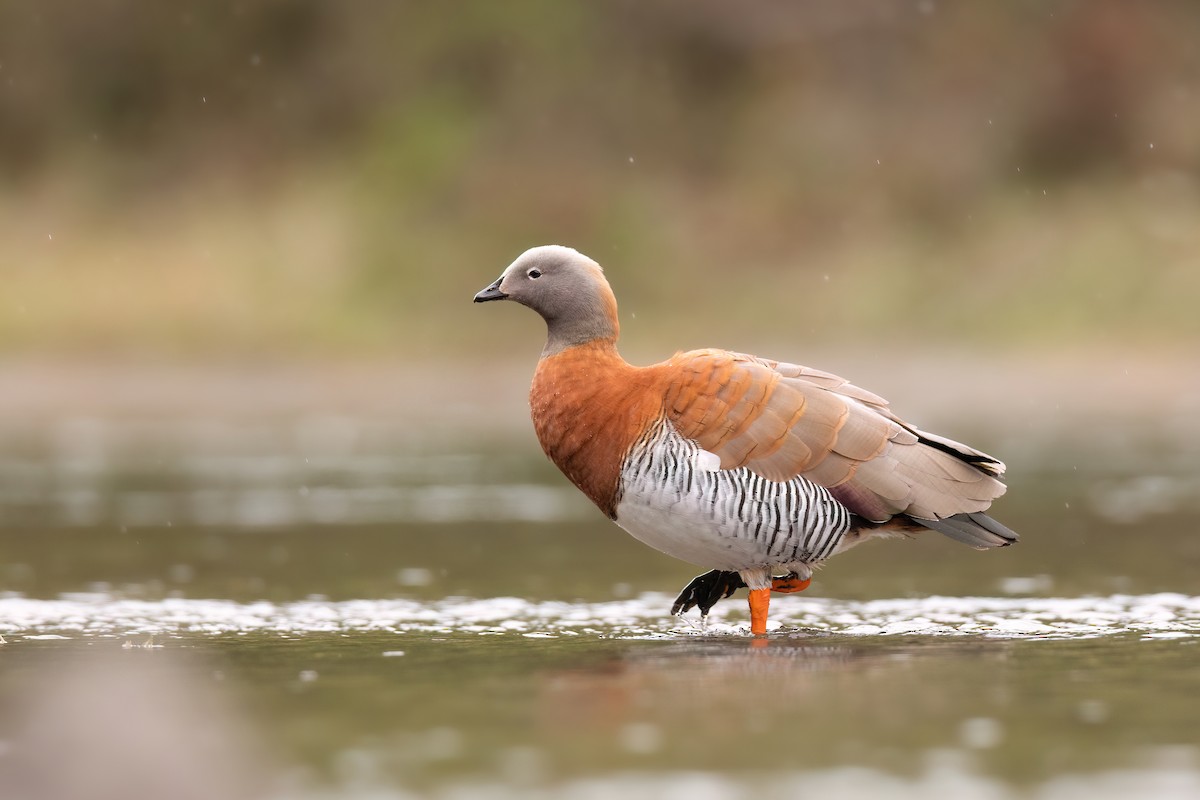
(534,273)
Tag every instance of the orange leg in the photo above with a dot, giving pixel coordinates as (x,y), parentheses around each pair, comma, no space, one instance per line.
(760,602)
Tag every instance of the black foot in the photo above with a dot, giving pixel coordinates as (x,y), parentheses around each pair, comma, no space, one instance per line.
(706,590)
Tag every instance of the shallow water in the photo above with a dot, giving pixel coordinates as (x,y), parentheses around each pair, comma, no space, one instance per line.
(329,609)
(995,697)
(85,616)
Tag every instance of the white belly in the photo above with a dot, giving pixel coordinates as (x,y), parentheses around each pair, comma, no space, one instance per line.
(675,499)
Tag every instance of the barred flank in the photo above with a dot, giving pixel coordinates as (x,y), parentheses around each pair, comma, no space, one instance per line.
(791,521)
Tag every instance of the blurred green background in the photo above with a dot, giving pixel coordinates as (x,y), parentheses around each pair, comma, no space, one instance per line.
(299,179)
(239,362)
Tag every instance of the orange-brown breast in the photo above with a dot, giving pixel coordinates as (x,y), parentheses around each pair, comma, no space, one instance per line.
(589,407)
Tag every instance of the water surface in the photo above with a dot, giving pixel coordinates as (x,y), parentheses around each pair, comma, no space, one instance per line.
(365,616)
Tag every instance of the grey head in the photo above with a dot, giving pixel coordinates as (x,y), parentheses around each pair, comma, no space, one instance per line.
(567,288)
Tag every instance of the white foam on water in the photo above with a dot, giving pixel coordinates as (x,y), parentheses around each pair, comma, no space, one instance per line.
(942,779)
(1155,616)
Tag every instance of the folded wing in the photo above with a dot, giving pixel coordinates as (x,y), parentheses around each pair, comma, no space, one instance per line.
(783,420)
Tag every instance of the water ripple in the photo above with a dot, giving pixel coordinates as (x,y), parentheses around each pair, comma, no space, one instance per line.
(1155,616)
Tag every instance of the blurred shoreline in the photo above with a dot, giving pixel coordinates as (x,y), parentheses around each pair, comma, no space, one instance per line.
(1017,393)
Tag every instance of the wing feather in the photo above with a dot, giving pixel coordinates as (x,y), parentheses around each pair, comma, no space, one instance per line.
(783,420)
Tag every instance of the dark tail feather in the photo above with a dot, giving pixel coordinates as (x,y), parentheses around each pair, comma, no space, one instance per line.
(974,530)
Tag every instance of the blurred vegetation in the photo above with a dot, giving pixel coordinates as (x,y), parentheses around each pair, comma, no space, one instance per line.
(300,177)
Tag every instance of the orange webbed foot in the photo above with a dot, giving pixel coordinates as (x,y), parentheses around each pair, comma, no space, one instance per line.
(789,584)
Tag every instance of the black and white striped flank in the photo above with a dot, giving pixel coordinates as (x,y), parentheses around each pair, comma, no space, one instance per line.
(674,497)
